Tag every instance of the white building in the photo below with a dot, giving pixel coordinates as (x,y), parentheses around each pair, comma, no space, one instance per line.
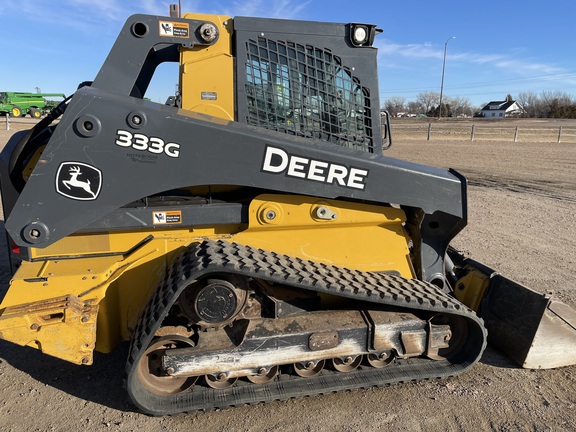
(501,109)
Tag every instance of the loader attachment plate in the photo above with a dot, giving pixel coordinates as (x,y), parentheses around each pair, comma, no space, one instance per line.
(533,329)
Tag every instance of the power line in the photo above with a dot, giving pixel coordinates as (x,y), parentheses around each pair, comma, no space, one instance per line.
(488,87)
(526,80)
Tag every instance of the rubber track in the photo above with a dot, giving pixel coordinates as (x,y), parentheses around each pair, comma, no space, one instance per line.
(209,257)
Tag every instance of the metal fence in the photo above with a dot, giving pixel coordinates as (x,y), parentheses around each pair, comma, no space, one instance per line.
(479,132)
(531,132)
(11,123)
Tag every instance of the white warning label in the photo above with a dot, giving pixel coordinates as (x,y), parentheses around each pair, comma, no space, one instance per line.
(167,217)
(174,29)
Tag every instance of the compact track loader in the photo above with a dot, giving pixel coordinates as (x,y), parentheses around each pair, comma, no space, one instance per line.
(249,238)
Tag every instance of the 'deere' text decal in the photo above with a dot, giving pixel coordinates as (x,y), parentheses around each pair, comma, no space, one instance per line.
(278,161)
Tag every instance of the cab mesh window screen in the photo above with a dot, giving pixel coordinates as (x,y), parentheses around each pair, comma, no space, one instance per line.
(306,91)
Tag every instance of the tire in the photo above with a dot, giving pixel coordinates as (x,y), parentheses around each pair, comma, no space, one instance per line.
(35,113)
(17,112)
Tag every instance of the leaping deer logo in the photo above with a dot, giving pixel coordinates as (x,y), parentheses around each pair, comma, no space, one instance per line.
(78,181)
(75,171)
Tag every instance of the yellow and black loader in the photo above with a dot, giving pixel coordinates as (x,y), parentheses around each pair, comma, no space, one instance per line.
(249,238)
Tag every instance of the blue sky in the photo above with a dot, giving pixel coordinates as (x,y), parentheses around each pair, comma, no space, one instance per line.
(503,47)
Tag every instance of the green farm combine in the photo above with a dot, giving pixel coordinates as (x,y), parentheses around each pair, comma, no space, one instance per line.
(19,104)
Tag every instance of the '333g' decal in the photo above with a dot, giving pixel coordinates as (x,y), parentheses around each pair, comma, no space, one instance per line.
(143,142)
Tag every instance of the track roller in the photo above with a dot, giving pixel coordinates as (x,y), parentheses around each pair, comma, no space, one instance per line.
(220,381)
(380,360)
(265,375)
(310,368)
(346,364)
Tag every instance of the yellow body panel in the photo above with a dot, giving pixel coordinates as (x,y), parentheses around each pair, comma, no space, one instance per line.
(207,73)
(117,287)
(63,327)
(470,289)
(359,236)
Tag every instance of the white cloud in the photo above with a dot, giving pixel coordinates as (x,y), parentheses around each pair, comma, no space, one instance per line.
(287,9)
(119,10)
(423,51)
(102,9)
(391,52)
(154,7)
(85,15)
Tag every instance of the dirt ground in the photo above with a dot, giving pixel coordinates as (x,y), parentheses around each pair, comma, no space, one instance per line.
(522,221)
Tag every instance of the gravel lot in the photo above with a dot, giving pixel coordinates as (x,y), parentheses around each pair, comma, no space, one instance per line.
(522,219)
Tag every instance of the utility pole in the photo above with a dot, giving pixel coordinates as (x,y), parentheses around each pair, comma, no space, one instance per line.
(443,68)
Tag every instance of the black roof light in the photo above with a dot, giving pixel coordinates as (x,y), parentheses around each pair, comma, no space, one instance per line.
(363,34)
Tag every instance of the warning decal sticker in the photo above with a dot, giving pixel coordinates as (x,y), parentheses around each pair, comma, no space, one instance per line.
(167,217)
(174,29)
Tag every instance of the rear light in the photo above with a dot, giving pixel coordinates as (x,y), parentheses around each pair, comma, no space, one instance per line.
(15,247)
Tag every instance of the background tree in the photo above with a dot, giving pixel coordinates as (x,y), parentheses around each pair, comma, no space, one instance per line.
(461,106)
(556,104)
(446,111)
(415,108)
(428,100)
(530,102)
(551,104)
(562,106)
(395,105)
(549,96)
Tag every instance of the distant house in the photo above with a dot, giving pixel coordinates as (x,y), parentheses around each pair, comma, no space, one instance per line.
(501,109)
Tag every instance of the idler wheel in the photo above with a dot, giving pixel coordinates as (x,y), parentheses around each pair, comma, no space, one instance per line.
(151,373)
(455,340)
